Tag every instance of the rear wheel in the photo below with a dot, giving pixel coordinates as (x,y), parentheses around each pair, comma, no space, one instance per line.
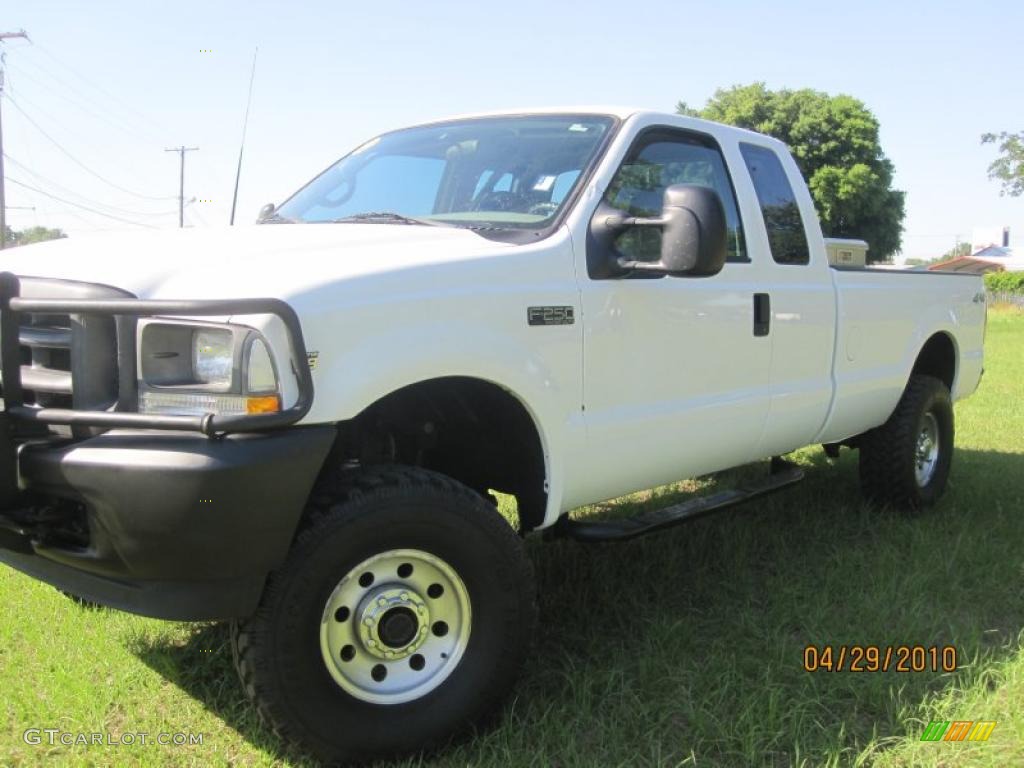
(400,618)
(906,461)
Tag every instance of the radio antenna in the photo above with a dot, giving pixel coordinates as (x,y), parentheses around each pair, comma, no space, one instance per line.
(245,126)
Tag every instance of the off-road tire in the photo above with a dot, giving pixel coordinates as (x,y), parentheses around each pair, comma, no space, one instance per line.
(889,453)
(277,651)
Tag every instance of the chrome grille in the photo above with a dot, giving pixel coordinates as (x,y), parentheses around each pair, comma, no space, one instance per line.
(45,347)
(70,361)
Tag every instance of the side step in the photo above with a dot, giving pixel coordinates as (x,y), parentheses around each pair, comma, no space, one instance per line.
(783,474)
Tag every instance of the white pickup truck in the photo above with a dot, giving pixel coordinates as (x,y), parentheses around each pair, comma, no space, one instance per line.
(297,426)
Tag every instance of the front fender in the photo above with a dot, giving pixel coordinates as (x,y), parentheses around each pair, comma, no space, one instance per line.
(380,364)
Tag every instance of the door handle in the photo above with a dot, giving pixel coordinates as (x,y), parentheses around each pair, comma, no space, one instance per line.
(762,314)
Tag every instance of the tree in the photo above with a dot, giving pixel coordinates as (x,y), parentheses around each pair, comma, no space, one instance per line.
(32,235)
(1009,166)
(958,250)
(834,140)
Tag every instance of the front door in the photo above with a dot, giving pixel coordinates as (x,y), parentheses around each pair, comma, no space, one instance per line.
(676,379)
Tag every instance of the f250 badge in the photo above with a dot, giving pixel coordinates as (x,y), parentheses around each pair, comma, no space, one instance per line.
(550,316)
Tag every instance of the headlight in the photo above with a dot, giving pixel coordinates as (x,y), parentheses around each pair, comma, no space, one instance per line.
(213,356)
(260,376)
(190,369)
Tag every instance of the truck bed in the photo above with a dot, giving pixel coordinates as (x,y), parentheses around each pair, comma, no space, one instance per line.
(883,319)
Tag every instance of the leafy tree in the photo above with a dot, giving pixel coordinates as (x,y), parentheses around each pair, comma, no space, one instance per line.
(1009,166)
(834,140)
(958,250)
(32,235)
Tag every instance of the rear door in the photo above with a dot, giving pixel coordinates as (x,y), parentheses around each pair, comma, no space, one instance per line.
(676,378)
(797,286)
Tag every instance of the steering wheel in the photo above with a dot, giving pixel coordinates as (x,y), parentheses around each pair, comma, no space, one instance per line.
(498,201)
(543,209)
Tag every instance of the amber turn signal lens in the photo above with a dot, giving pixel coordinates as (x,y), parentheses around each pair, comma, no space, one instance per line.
(265,404)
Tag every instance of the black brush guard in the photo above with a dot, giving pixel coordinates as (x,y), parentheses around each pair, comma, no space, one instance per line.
(17,413)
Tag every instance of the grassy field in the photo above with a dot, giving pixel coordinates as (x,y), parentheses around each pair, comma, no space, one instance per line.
(682,649)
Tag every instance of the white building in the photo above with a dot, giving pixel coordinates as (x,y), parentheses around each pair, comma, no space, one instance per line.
(990,252)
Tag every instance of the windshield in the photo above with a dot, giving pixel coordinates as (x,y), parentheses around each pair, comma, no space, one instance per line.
(486,173)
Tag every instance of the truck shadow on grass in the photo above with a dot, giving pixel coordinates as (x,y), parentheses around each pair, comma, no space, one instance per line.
(691,641)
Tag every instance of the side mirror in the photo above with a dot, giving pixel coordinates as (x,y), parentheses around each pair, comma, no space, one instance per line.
(265,212)
(693,233)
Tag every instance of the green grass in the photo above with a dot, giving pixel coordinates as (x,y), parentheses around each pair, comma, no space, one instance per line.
(683,648)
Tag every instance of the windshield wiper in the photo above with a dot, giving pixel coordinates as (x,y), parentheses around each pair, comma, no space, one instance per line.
(275,218)
(385,217)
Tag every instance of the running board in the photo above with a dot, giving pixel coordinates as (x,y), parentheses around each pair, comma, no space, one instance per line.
(783,474)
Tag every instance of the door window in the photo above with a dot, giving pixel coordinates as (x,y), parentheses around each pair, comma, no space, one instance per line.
(782,220)
(659,160)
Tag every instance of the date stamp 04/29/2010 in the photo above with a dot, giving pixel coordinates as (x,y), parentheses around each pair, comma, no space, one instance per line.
(880,658)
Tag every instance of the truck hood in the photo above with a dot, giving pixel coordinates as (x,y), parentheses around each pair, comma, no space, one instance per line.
(279,260)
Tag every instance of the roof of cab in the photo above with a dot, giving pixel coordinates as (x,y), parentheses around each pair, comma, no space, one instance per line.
(621,112)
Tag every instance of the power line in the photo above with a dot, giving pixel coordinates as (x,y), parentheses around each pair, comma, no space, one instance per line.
(209,168)
(78,205)
(25,142)
(3,200)
(60,93)
(64,190)
(76,71)
(78,162)
(193,213)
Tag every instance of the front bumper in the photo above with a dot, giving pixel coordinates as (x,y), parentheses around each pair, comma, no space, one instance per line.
(179,526)
(169,523)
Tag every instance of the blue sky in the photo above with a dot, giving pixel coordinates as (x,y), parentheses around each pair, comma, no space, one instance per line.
(114,83)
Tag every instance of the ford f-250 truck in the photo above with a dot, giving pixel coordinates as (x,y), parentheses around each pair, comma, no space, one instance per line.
(297,426)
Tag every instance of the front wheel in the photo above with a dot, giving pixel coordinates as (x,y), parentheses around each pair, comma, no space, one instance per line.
(906,461)
(400,617)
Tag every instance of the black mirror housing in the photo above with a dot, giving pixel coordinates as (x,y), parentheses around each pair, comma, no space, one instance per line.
(693,232)
(693,244)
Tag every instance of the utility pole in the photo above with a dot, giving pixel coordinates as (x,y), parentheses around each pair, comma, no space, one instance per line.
(181,186)
(3,199)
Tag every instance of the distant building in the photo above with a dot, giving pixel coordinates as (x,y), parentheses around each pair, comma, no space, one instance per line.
(985,258)
(967,264)
(983,237)
(1008,258)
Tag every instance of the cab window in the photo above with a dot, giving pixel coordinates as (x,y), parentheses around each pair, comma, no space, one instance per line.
(660,159)
(782,220)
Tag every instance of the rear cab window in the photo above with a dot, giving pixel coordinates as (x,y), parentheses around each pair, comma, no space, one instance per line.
(782,220)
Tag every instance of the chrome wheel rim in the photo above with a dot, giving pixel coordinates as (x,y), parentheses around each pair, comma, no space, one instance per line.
(395,626)
(926,454)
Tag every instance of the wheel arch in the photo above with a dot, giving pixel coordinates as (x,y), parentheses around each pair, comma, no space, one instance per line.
(469,428)
(938,357)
